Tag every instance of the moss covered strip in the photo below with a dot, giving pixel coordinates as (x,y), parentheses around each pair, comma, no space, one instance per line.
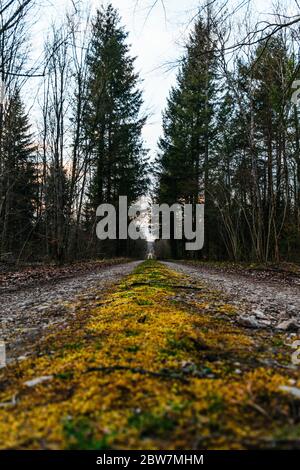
(152,366)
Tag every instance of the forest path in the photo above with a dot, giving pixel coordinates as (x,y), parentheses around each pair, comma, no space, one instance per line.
(265,302)
(27,313)
(159,362)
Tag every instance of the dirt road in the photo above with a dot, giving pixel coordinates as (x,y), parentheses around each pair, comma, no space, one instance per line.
(267,303)
(158,362)
(26,314)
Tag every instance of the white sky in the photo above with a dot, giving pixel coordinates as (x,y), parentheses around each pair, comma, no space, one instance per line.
(156,41)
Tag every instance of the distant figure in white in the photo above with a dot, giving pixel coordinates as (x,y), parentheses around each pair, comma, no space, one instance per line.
(150,250)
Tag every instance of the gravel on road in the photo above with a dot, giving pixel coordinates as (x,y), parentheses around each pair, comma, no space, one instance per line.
(262,302)
(27,314)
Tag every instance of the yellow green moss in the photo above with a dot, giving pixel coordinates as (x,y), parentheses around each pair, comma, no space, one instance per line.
(148,368)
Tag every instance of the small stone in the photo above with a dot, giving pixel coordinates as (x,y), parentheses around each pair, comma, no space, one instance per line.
(42,308)
(259,314)
(266,322)
(292,381)
(292,390)
(188,366)
(288,325)
(249,322)
(38,380)
(22,358)
(5,404)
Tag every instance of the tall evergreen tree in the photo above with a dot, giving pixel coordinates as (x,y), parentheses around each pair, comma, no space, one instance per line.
(18,175)
(113,119)
(186,148)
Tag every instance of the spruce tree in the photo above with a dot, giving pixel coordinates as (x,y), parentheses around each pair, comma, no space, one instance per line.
(185,150)
(113,118)
(18,177)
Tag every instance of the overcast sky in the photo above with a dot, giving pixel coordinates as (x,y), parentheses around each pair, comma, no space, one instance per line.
(156,38)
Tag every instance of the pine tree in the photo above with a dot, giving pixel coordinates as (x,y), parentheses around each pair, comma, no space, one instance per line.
(113,119)
(186,151)
(19,181)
